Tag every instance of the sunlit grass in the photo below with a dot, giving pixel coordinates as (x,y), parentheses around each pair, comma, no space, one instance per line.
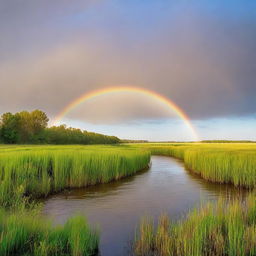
(214,230)
(38,171)
(233,163)
(31,172)
(25,233)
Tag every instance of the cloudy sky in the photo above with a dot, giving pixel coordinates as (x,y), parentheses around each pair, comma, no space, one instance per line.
(200,54)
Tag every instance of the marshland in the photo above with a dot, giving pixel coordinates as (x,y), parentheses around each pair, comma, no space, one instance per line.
(137,199)
(127,128)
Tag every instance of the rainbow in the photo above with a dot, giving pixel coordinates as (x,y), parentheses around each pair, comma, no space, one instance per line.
(115,89)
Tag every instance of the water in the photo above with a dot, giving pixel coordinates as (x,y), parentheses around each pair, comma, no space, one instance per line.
(117,207)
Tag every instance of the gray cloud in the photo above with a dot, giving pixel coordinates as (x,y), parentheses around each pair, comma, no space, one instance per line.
(125,107)
(203,62)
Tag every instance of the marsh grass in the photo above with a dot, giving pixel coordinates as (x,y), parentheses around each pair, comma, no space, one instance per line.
(24,233)
(39,171)
(233,163)
(31,172)
(222,229)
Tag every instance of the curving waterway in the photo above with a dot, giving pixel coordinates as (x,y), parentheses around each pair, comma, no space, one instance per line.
(117,207)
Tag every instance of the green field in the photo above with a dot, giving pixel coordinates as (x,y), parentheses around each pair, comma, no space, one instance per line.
(32,172)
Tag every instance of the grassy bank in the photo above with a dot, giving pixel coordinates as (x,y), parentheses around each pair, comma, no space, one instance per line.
(24,233)
(214,230)
(32,172)
(216,162)
(224,229)
(38,171)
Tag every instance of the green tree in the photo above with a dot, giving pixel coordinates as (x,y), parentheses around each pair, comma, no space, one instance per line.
(10,124)
(32,125)
(39,120)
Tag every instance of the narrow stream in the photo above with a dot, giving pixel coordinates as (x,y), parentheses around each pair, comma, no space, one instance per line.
(118,206)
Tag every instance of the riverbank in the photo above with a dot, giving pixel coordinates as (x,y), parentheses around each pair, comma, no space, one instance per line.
(222,229)
(226,228)
(32,172)
(233,163)
(117,207)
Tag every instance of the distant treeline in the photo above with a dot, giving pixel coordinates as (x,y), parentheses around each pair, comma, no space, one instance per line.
(134,141)
(31,128)
(227,141)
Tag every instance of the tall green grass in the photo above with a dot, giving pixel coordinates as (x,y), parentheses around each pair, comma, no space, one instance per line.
(24,233)
(31,172)
(225,229)
(38,171)
(223,163)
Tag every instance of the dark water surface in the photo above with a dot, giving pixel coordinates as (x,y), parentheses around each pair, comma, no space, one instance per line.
(118,206)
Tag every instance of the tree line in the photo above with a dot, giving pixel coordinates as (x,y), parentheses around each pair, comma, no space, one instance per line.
(32,128)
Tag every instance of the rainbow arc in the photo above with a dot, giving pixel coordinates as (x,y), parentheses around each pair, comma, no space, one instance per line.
(114,89)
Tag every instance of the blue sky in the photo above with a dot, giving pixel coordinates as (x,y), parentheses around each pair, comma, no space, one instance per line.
(198,53)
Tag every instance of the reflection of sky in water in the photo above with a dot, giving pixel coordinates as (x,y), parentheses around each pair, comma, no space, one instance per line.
(117,207)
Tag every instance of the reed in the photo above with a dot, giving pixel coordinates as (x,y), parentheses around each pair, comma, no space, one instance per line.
(225,228)
(25,233)
(31,172)
(38,171)
(233,163)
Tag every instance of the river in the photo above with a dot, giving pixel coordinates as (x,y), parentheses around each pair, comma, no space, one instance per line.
(116,208)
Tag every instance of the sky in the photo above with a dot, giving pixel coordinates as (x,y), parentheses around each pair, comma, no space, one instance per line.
(200,54)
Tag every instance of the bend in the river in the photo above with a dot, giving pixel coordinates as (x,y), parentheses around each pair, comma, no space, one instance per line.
(117,207)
